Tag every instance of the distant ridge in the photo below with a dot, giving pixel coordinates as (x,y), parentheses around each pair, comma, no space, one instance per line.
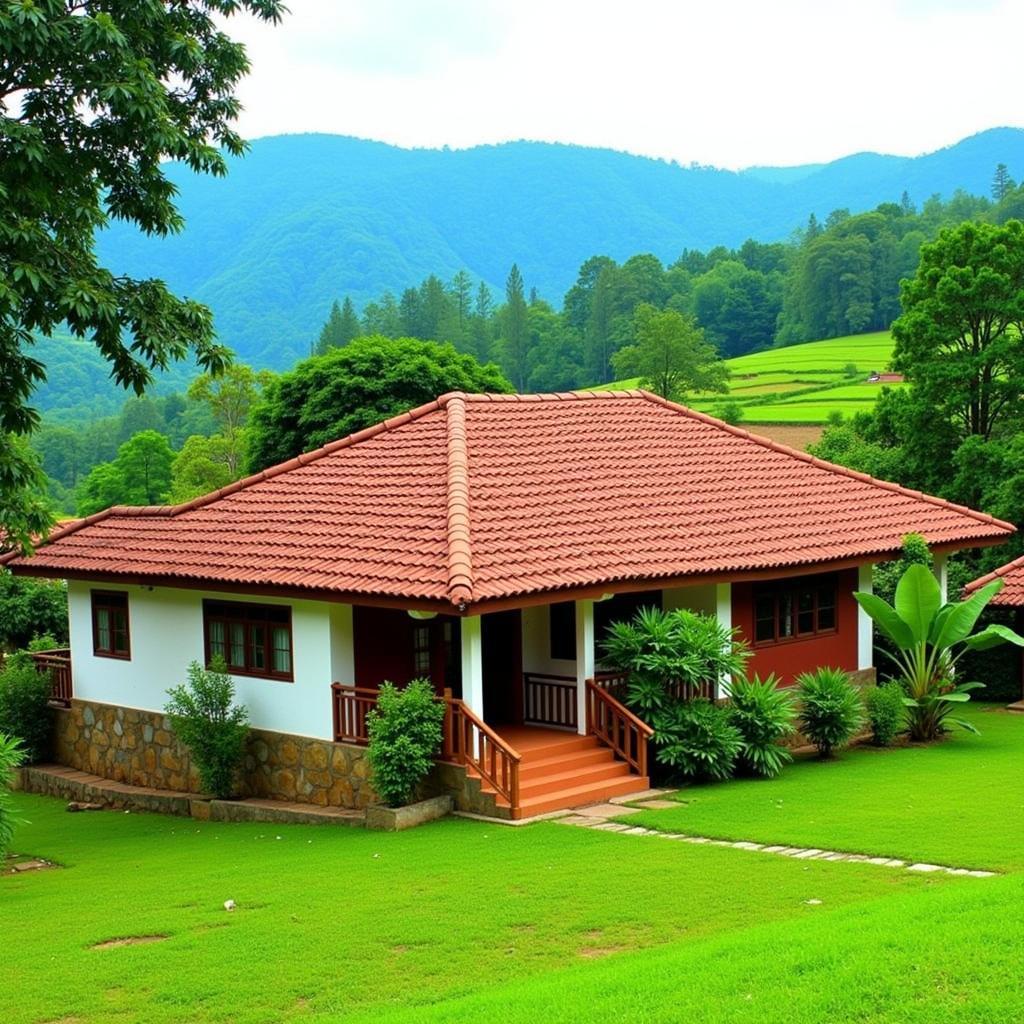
(304,219)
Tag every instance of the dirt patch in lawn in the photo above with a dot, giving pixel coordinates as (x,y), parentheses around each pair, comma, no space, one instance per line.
(597,952)
(19,863)
(128,940)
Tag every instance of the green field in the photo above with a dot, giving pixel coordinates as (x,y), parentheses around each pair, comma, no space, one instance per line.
(801,384)
(476,922)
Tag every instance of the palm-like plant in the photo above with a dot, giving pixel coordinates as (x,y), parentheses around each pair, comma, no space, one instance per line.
(930,638)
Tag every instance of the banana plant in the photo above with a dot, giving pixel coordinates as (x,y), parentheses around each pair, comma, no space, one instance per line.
(930,638)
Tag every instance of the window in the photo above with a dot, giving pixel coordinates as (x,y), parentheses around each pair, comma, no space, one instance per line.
(110,624)
(253,639)
(794,609)
(421,648)
(620,608)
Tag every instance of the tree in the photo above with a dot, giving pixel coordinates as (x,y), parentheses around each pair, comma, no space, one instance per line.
(139,475)
(341,326)
(483,310)
(515,330)
(670,356)
(94,98)
(959,338)
(229,398)
(1002,183)
(202,465)
(369,380)
(28,607)
(461,292)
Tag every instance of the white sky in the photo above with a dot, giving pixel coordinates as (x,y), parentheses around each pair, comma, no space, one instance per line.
(730,83)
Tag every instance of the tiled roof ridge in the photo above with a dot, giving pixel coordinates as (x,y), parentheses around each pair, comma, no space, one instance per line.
(460,552)
(170,511)
(996,574)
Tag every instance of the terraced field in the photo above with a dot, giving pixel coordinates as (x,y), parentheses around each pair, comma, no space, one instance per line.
(801,384)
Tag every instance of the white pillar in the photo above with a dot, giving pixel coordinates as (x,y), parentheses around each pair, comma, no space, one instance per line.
(584,660)
(472,665)
(865,626)
(939,568)
(343,660)
(723,612)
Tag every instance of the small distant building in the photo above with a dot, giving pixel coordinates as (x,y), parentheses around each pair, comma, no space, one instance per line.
(885,378)
(1010,598)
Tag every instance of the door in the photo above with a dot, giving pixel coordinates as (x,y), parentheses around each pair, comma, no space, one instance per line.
(501,638)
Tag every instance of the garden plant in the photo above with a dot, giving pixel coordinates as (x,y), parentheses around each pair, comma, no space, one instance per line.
(886,713)
(25,711)
(11,755)
(764,716)
(405,731)
(831,711)
(930,638)
(207,721)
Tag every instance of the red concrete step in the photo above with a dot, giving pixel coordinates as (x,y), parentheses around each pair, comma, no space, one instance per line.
(538,785)
(564,743)
(564,762)
(576,796)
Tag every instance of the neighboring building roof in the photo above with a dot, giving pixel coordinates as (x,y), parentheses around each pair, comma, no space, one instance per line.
(481,498)
(1012,575)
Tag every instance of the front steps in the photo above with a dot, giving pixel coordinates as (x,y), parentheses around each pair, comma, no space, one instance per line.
(562,770)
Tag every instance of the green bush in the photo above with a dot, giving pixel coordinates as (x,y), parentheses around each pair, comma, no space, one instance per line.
(831,711)
(659,648)
(405,732)
(886,713)
(25,711)
(763,714)
(29,606)
(207,721)
(11,755)
(696,739)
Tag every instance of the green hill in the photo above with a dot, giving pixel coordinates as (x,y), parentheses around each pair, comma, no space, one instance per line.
(305,219)
(801,384)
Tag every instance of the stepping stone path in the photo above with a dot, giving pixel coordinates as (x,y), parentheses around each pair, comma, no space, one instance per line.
(597,818)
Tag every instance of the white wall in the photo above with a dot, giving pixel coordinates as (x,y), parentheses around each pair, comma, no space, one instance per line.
(537,645)
(702,598)
(865,627)
(166,628)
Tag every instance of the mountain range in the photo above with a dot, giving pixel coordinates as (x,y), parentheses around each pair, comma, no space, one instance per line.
(304,219)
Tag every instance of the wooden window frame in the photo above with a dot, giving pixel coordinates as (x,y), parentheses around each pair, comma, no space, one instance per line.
(791,588)
(100,599)
(247,619)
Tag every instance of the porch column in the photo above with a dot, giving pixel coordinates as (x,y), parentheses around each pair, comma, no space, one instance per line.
(723,612)
(584,660)
(472,665)
(939,568)
(865,626)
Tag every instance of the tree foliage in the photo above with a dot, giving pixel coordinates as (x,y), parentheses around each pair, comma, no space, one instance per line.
(28,607)
(139,475)
(347,389)
(94,97)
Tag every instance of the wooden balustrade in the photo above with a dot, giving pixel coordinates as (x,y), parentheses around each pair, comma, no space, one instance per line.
(549,700)
(57,664)
(615,683)
(617,727)
(351,705)
(468,740)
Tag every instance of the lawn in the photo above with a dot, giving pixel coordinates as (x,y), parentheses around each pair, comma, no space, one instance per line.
(340,921)
(470,921)
(959,802)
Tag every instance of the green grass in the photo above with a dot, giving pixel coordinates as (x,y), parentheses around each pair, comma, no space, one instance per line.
(808,380)
(339,921)
(959,802)
(472,922)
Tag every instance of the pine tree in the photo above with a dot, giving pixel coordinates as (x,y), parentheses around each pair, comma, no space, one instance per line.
(597,338)
(813,228)
(330,333)
(1002,183)
(460,291)
(515,331)
(483,312)
(349,327)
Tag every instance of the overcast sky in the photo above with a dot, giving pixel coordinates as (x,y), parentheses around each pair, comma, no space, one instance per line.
(730,83)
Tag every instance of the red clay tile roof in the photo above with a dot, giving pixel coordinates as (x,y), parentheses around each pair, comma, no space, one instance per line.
(477,498)
(1012,575)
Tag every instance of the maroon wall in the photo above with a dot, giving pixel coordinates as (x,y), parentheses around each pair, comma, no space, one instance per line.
(788,658)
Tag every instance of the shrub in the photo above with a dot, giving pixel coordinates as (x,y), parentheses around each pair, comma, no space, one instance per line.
(659,648)
(11,755)
(830,708)
(763,714)
(206,720)
(28,606)
(25,711)
(405,732)
(929,639)
(886,713)
(697,739)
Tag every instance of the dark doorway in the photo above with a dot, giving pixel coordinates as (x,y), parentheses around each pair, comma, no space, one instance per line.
(502,644)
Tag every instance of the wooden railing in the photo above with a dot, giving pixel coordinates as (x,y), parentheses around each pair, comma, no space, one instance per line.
(351,705)
(616,682)
(468,740)
(617,727)
(549,700)
(57,664)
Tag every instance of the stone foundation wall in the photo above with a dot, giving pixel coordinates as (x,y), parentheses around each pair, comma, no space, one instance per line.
(140,748)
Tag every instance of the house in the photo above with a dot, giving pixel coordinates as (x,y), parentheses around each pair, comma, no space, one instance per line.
(484,542)
(1009,599)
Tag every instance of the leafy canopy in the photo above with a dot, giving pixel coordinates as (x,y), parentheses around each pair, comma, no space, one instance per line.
(94,96)
(347,389)
(140,475)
